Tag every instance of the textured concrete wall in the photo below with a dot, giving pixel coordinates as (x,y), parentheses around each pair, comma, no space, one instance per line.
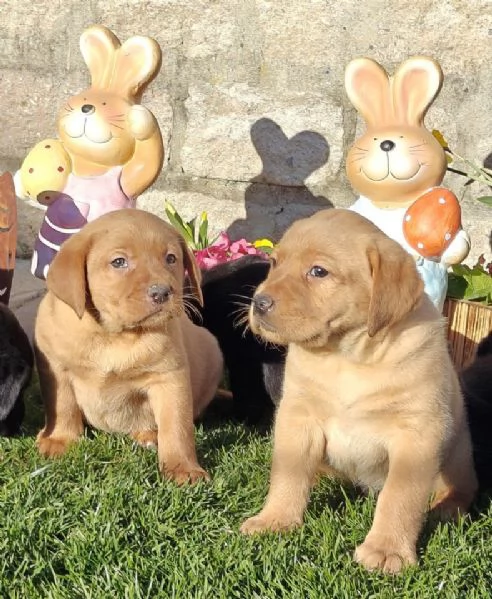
(250,98)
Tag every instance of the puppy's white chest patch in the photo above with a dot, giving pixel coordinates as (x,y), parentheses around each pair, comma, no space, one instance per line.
(356,452)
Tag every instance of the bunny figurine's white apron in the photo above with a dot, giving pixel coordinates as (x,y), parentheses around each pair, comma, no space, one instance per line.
(434,274)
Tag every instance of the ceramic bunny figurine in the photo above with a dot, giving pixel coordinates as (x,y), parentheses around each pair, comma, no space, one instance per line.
(110,148)
(397,166)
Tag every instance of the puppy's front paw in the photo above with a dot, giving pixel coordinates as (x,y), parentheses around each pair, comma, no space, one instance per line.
(51,447)
(384,555)
(269,523)
(182,474)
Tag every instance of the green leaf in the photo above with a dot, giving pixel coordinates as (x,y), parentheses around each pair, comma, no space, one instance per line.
(178,223)
(470,283)
(487,200)
(190,227)
(456,286)
(203,232)
(266,249)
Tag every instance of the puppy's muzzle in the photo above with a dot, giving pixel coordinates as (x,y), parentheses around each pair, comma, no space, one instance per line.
(262,304)
(159,294)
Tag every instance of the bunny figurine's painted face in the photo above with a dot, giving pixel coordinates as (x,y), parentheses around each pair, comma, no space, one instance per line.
(400,161)
(94,123)
(397,158)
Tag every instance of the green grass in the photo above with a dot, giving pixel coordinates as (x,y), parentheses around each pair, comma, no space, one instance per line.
(100,522)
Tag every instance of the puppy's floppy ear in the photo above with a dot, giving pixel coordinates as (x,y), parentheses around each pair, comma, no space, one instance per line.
(67,274)
(396,286)
(193,270)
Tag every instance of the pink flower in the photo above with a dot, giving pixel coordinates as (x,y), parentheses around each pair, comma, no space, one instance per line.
(223,242)
(211,256)
(242,248)
(223,250)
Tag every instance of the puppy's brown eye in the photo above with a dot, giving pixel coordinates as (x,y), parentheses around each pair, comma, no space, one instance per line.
(318,271)
(171,259)
(119,262)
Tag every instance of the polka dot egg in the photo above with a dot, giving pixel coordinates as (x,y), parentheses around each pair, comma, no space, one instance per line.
(45,170)
(432,221)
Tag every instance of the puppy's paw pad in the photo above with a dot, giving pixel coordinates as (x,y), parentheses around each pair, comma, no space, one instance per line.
(390,560)
(181,475)
(259,524)
(52,447)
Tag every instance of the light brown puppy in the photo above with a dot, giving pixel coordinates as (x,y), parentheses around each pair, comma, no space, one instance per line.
(369,387)
(114,346)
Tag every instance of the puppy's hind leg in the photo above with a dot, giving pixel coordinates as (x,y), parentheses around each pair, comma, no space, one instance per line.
(63,418)
(456,483)
(146,439)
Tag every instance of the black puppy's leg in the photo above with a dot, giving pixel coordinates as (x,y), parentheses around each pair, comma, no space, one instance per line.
(251,402)
(12,423)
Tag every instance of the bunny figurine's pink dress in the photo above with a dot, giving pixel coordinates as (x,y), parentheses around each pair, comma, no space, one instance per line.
(94,196)
(82,200)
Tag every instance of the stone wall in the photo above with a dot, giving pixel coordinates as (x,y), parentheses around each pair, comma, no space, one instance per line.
(250,98)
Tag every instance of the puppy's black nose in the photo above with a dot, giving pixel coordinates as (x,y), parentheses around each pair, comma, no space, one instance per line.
(159,293)
(88,109)
(387,145)
(262,303)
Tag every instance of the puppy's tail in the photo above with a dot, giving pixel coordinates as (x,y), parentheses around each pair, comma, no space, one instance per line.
(476,382)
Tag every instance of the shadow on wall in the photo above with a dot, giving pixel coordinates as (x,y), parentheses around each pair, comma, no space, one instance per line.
(279,195)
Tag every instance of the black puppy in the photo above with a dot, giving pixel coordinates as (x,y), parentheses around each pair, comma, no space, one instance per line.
(476,382)
(255,368)
(16,362)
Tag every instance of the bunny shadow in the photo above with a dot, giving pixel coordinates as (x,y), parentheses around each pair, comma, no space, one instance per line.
(279,195)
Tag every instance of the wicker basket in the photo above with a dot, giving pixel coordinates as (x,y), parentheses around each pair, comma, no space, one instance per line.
(468,324)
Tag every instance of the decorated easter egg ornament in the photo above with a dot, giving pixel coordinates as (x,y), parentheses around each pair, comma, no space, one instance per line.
(45,169)
(432,221)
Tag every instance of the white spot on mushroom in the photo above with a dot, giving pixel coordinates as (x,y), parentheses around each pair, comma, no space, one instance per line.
(420,245)
(408,217)
(447,237)
(442,201)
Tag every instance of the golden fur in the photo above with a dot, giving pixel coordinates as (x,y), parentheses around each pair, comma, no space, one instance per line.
(112,354)
(370,392)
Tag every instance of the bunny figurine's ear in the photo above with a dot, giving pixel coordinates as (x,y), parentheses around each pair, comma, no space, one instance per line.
(415,85)
(137,62)
(98,46)
(368,89)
